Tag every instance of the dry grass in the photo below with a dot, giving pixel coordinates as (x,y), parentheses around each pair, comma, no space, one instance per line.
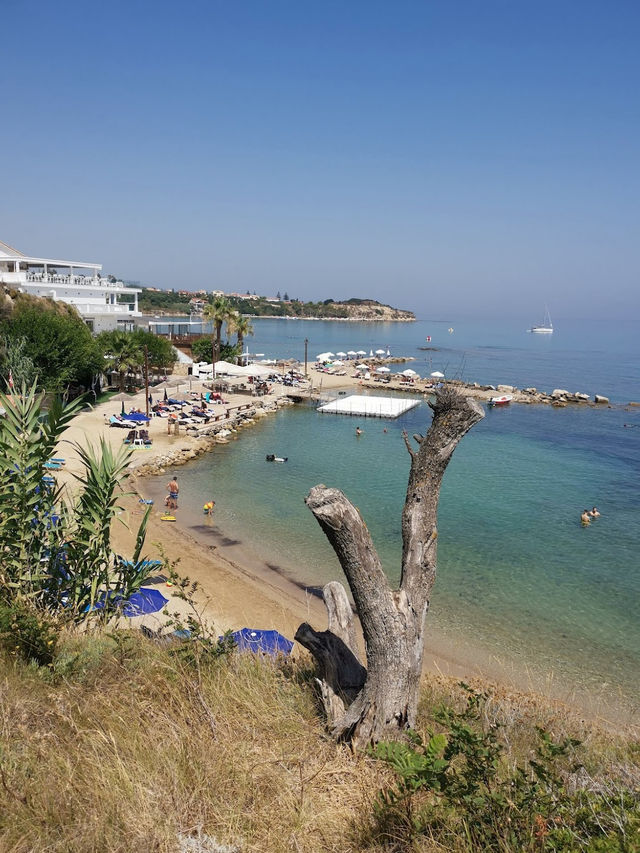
(140,748)
(125,747)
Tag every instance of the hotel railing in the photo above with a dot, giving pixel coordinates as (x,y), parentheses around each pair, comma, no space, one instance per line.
(75,280)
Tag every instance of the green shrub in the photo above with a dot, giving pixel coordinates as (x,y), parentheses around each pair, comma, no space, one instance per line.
(27,632)
(456,787)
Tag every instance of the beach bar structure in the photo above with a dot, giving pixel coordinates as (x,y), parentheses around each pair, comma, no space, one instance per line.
(103,302)
(369,407)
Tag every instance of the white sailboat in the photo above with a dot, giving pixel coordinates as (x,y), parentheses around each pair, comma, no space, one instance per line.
(546,327)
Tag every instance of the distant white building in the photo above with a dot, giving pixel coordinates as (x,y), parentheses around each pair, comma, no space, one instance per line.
(99,300)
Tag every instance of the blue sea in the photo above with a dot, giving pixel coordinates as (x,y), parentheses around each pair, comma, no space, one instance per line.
(518,576)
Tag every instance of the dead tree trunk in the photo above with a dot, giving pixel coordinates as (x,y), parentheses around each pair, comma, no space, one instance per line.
(392,620)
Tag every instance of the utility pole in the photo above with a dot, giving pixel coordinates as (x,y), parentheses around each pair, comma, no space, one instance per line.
(146,378)
(306,346)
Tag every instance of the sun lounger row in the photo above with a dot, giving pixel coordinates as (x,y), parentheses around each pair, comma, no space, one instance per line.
(138,437)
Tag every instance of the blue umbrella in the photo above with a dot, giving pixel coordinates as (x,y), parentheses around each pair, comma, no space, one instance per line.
(136,416)
(267,642)
(146,600)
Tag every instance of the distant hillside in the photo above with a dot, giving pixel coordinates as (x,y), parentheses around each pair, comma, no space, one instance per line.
(165,302)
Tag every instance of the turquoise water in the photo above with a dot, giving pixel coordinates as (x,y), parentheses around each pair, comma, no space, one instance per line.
(518,576)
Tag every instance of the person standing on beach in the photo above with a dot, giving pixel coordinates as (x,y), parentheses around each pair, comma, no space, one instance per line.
(173,489)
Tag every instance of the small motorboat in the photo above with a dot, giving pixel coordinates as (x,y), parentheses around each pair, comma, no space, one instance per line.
(271,457)
(504,400)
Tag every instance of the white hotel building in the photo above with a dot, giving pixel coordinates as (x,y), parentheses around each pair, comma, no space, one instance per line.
(103,304)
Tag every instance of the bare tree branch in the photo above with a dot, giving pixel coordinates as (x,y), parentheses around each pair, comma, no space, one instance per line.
(453,417)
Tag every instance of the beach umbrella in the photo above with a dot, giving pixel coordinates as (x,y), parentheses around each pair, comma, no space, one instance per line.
(324,356)
(136,417)
(409,372)
(338,363)
(124,398)
(362,367)
(162,386)
(222,367)
(352,352)
(266,642)
(341,354)
(437,375)
(379,352)
(361,352)
(383,370)
(146,600)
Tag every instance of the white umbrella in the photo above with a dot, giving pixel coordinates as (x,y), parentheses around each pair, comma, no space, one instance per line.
(437,375)
(361,352)
(409,372)
(352,352)
(221,367)
(260,370)
(383,370)
(379,352)
(341,354)
(338,363)
(362,367)
(324,356)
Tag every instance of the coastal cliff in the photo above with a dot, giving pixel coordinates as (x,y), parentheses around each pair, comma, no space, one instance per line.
(368,310)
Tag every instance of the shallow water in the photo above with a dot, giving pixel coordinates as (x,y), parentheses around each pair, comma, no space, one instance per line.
(517,574)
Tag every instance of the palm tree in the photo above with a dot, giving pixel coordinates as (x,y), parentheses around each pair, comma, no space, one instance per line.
(125,354)
(241,326)
(217,312)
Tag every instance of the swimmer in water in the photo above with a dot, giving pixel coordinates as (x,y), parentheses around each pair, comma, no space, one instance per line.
(595,512)
(585,518)
(358,431)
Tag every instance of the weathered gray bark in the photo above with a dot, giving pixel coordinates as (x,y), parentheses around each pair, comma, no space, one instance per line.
(392,620)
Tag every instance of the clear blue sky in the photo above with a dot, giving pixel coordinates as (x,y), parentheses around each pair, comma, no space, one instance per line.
(480,154)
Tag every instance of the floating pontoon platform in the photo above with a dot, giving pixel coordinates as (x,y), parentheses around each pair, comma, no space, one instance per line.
(369,407)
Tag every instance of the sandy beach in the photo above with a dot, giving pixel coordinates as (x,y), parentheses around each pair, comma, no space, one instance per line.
(236,589)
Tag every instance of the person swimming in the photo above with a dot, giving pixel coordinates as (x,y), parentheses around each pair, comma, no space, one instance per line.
(358,431)
(585,517)
(594,513)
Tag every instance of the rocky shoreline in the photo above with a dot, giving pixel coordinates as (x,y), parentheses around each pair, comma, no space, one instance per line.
(200,440)
(558,398)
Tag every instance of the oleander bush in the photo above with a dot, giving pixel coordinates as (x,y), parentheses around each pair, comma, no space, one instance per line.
(57,561)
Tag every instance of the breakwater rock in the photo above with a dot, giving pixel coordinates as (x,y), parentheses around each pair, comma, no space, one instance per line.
(559,397)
